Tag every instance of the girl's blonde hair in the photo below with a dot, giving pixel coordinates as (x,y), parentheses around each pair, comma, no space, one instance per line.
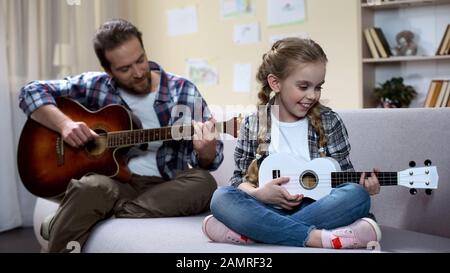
(280,61)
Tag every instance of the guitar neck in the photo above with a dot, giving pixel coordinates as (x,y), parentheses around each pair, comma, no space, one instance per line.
(385,178)
(140,136)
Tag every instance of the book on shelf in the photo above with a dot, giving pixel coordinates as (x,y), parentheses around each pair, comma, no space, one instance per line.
(377,43)
(381,42)
(448,101)
(370,44)
(438,94)
(444,45)
(446,98)
(441,94)
(433,93)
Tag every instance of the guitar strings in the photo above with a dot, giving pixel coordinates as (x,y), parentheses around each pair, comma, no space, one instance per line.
(342,174)
(324,185)
(329,180)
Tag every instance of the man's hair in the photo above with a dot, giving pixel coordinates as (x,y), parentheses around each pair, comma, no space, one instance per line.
(112,34)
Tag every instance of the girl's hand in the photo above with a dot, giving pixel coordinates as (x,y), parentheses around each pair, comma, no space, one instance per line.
(273,193)
(371,183)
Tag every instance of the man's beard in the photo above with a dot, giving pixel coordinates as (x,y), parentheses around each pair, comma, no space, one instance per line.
(134,90)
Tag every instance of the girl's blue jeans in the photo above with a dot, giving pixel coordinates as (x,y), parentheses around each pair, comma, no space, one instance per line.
(263,223)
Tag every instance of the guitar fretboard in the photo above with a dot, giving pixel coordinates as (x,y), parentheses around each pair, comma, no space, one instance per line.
(385,178)
(140,136)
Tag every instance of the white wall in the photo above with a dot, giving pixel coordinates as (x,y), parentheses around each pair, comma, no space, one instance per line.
(333,24)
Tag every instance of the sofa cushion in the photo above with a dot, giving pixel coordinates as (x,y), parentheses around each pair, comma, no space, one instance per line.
(184,235)
(383,138)
(389,139)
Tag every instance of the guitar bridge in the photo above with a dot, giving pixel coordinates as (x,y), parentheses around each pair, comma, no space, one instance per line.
(59,151)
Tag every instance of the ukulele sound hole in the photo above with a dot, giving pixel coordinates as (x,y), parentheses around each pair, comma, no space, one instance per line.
(97,146)
(308,180)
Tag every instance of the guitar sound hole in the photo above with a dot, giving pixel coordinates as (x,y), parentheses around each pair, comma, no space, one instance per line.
(96,146)
(308,180)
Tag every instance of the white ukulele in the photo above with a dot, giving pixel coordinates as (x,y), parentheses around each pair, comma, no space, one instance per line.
(316,178)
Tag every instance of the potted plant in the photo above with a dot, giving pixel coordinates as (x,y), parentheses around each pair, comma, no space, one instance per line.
(394,93)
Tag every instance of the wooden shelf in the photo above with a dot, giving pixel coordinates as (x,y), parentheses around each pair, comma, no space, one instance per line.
(404,4)
(427,16)
(406,59)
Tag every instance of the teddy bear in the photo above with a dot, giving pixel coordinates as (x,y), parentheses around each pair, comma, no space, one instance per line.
(405,44)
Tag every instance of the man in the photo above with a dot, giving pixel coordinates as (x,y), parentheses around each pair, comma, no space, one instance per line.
(169,179)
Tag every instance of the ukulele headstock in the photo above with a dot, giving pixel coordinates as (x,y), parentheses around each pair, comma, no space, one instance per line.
(419,178)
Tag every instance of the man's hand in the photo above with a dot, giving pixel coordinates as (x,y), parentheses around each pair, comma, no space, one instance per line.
(371,183)
(204,141)
(76,134)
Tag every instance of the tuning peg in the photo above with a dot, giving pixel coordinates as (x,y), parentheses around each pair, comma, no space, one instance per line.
(412,164)
(427,162)
(428,191)
(413,191)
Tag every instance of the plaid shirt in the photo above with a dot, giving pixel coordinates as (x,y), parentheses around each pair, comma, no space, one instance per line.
(95,90)
(337,147)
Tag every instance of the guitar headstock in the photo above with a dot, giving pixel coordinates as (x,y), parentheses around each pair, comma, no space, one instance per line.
(419,178)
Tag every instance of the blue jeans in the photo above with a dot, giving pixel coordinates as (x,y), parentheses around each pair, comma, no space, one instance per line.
(263,223)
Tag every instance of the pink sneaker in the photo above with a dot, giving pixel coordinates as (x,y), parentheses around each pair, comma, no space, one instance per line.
(216,231)
(356,235)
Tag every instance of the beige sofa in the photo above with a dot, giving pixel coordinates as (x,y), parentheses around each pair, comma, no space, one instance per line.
(385,138)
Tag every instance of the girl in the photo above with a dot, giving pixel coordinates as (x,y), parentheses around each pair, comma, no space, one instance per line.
(292,74)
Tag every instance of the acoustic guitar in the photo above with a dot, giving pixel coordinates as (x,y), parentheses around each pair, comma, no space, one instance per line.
(46,163)
(316,178)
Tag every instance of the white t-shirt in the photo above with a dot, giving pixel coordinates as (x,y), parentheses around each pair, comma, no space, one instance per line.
(290,138)
(142,107)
